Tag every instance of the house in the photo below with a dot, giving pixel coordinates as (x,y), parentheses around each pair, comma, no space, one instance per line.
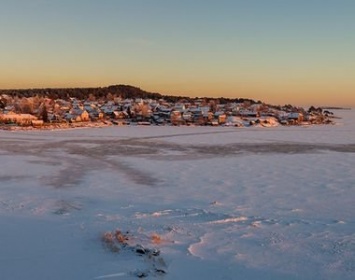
(234,121)
(84,116)
(295,117)
(95,115)
(179,107)
(256,107)
(77,115)
(156,119)
(9,109)
(247,113)
(176,117)
(205,110)
(196,113)
(163,112)
(187,116)
(120,115)
(222,118)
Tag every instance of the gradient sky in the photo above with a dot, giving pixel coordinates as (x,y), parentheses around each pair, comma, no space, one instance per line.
(279,51)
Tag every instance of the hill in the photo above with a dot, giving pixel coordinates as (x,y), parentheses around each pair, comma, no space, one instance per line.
(124,91)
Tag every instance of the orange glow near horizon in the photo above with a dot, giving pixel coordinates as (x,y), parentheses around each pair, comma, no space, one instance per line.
(279,94)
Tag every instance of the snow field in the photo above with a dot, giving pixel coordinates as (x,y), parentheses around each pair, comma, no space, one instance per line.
(224,203)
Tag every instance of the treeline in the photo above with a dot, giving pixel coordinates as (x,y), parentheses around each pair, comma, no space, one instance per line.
(124,91)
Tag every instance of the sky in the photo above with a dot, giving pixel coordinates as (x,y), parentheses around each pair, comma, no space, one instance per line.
(299,52)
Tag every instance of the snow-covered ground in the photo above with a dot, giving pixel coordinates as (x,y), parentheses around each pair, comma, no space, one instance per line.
(217,202)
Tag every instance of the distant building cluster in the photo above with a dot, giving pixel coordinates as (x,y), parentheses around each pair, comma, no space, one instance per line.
(39,111)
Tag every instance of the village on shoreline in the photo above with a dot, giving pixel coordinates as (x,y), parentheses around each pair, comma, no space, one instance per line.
(43,112)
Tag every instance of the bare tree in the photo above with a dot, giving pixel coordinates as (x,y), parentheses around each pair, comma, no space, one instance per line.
(110,97)
(92,97)
(145,111)
(26,106)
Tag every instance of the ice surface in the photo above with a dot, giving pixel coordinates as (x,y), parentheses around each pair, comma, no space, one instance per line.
(225,202)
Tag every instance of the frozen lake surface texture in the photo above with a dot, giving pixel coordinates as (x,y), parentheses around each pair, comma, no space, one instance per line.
(200,203)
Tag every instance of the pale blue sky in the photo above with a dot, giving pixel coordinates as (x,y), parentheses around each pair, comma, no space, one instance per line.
(274,50)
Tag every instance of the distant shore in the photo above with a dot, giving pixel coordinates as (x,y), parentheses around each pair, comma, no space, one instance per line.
(102,124)
(335,108)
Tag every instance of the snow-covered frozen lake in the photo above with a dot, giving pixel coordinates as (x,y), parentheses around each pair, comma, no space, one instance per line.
(217,202)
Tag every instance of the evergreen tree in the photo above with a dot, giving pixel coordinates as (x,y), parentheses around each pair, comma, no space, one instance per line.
(45,114)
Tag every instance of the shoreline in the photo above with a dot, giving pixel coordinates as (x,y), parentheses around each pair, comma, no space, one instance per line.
(101,124)
(59,126)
